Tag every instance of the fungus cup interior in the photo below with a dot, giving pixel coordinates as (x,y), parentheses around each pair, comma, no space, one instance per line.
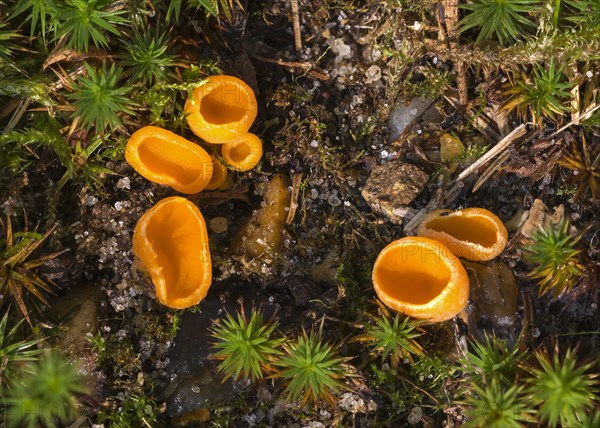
(476,229)
(175,162)
(221,110)
(172,243)
(412,274)
(167,158)
(421,278)
(225,103)
(244,153)
(240,152)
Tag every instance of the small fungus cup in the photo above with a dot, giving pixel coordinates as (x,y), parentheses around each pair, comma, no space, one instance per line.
(170,240)
(220,173)
(421,278)
(473,233)
(166,158)
(244,154)
(221,110)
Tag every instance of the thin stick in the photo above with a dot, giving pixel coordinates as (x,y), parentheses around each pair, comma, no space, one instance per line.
(66,79)
(451,20)
(518,132)
(432,205)
(419,389)
(294,200)
(220,195)
(309,68)
(463,89)
(490,170)
(350,323)
(586,115)
(18,113)
(296,23)
(78,422)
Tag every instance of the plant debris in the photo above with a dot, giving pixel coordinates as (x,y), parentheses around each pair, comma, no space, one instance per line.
(371,115)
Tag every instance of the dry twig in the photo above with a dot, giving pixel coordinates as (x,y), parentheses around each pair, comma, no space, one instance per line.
(296,24)
(297,180)
(239,193)
(442,198)
(490,170)
(586,115)
(307,67)
(451,21)
(516,133)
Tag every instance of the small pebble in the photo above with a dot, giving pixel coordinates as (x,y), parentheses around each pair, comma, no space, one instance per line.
(218,224)
(314,424)
(124,183)
(373,74)
(341,49)
(250,419)
(415,416)
(91,200)
(334,201)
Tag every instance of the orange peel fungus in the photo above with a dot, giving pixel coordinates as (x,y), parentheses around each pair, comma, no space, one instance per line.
(163,157)
(171,241)
(421,278)
(473,233)
(218,180)
(221,110)
(243,154)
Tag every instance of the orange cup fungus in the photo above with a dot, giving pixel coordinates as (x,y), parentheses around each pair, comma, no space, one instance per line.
(166,158)
(221,110)
(243,154)
(171,241)
(421,278)
(473,233)
(219,175)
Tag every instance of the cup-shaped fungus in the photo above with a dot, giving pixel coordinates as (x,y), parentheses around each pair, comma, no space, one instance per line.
(473,233)
(218,180)
(243,154)
(170,240)
(221,110)
(421,278)
(166,158)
